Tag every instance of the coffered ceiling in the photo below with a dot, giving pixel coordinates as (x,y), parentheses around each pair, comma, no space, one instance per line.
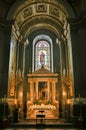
(30,15)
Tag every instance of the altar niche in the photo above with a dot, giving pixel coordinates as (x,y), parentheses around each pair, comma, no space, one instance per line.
(42,90)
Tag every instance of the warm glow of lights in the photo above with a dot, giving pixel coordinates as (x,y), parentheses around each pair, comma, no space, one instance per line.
(68,101)
(15,101)
(64,93)
(20,95)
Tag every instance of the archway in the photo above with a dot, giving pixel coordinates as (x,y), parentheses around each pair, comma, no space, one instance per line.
(31,17)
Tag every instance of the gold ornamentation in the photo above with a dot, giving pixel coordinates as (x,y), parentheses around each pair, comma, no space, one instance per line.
(54,11)
(41,7)
(27,12)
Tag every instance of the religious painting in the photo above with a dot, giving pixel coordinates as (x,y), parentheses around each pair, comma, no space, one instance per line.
(42,90)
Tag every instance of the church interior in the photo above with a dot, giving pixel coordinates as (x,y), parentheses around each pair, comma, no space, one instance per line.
(42,57)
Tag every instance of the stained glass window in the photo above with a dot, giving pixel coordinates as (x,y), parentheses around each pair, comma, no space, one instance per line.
(42,55)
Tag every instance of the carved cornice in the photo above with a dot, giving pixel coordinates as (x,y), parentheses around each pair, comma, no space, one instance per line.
(76,21)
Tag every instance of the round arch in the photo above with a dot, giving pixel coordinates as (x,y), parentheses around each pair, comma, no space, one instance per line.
(21,4)
(49,40)
(39,19)
(53,16)
(40,26)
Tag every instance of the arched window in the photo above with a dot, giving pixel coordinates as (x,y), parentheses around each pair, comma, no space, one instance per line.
(42,53)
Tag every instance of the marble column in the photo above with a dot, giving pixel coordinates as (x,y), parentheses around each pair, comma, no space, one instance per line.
(37,90)
(54,91)
(31,90)
(48,90)
(5,36)
(78,41)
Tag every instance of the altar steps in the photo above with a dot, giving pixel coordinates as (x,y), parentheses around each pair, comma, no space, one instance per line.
(44,124)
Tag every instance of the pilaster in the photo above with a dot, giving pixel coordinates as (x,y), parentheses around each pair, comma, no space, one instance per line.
(37,90)
(48,90)
(78,41)
(31,90)
(53,90)
(5,36)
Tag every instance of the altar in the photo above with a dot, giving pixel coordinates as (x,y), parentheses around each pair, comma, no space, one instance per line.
(42,93)
(50,111)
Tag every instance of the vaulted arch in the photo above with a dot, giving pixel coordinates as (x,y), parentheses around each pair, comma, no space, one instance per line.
(41,34)
(38,13)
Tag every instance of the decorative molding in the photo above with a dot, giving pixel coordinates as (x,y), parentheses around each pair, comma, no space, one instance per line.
(42,20)
(27,12)
(54,11)
(41,7)
(39,26)
(77,21)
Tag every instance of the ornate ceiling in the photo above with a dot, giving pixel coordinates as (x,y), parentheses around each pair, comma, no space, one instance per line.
(30,15)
